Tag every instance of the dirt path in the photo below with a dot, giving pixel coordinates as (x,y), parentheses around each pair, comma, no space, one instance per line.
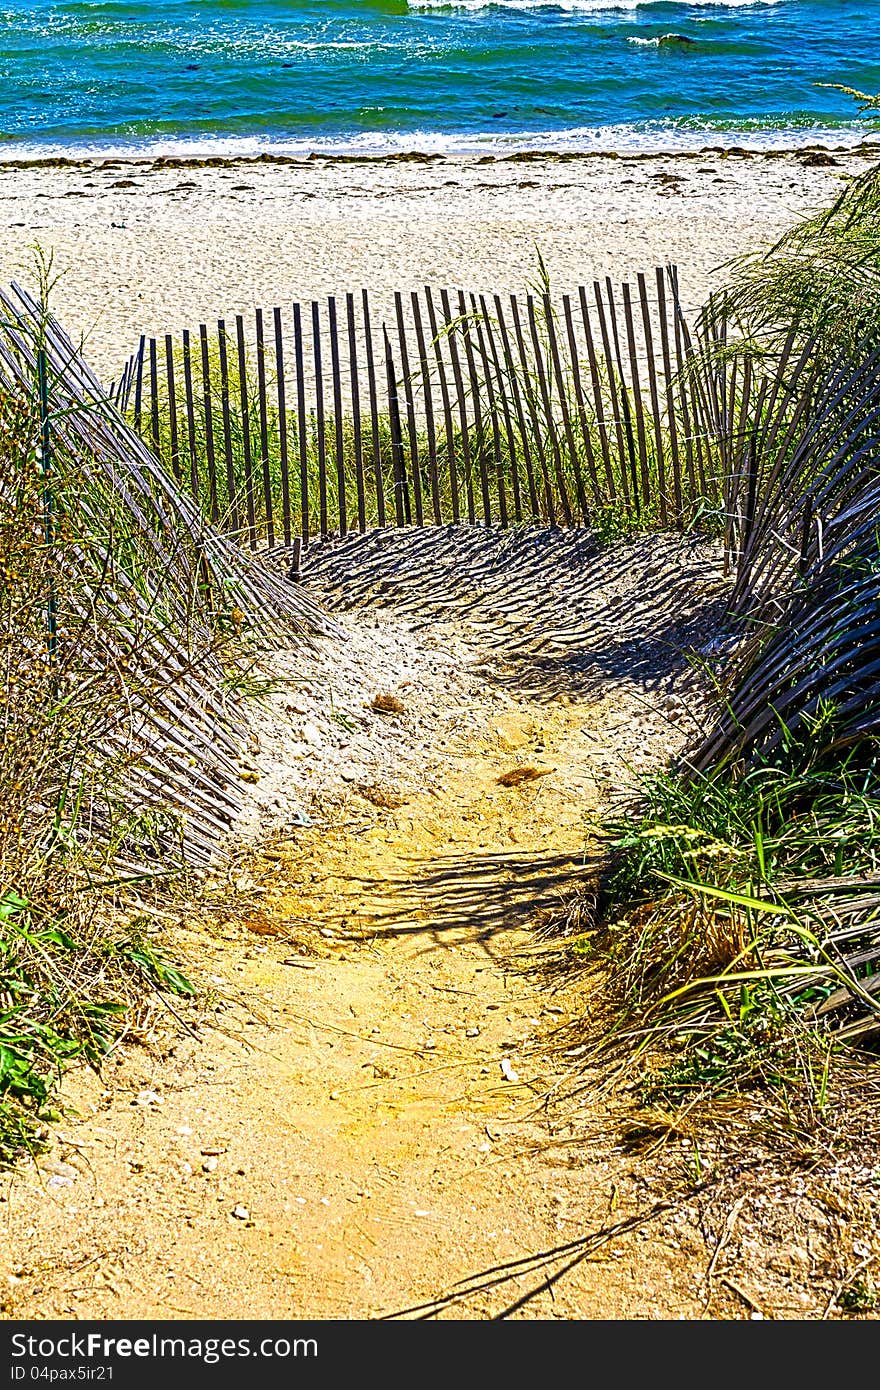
(369,1126)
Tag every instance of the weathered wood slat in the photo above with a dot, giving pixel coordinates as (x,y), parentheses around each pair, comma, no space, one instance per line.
(207,407)
(688,395)
(283,450)
(338,419)
(625,411)
(194,481)
(550,429)
(701,414)
(509,431)
(528,392)
(356,413)
(622,455)
(586,433)
(448,423)
(562,388)
(226,409)
(671,422)
(172,407)
(302,437)
(477,321)
(374,412)
(638,408)
(400,490)
(245,416)
(499,394)
(320,421)
(268,500)
(139,385)
(429,409)
(414,470)
(464,430)
(474,380)
(686,411)
(598,404)
(513,383)
(656,417)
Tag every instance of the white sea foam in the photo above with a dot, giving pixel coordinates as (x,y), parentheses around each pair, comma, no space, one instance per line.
(650,138)
(657,40)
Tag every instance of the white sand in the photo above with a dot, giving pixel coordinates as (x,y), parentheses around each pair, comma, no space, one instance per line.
(197,242)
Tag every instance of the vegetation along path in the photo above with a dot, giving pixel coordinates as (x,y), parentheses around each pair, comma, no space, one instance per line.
(384,1100)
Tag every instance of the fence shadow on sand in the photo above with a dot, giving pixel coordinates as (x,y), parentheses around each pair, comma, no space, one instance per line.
(554,612)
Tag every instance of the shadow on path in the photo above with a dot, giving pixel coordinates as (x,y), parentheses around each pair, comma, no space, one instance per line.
(553,611)
(469,897)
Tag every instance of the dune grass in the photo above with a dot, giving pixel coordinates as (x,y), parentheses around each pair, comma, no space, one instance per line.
(75,963)
(738,936)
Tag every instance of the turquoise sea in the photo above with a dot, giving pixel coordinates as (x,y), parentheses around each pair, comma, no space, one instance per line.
(383,75)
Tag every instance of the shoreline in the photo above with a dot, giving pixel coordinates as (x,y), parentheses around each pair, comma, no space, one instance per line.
(95,160)
(155,245)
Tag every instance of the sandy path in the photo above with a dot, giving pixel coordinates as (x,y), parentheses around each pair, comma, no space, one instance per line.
(368,1132)
(360,1122)
(368,1127)
(151,248)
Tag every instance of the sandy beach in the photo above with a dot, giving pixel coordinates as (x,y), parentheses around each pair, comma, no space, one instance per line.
(156,245)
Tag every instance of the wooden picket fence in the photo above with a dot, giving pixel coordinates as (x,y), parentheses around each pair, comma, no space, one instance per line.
(467,408)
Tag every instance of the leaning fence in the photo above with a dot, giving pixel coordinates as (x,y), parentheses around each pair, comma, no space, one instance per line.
(463,407)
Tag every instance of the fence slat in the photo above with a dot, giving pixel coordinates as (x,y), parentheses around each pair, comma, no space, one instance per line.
(401,497)
(690,412)
(172,407)
(580,398)
(701,415)
(563,406)
(612,386)
(448,423)
(414,468)
(207,406)
(543,387)
(462,404)
(231,488)
(474,380)
(194,481)
(625,412)
(476,319)
(598,404)
(374,411)
(284,458)
(537,432)
(638,408)
(509,431)
(671,422)
(338,423)
(139,385)
(264,429)
(302,435)
(656,418)
(245,410)
(429,408)
(686,411)
(320,421)
(513,381)
(356,413)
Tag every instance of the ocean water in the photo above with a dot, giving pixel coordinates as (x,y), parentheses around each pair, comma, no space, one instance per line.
(382,75)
